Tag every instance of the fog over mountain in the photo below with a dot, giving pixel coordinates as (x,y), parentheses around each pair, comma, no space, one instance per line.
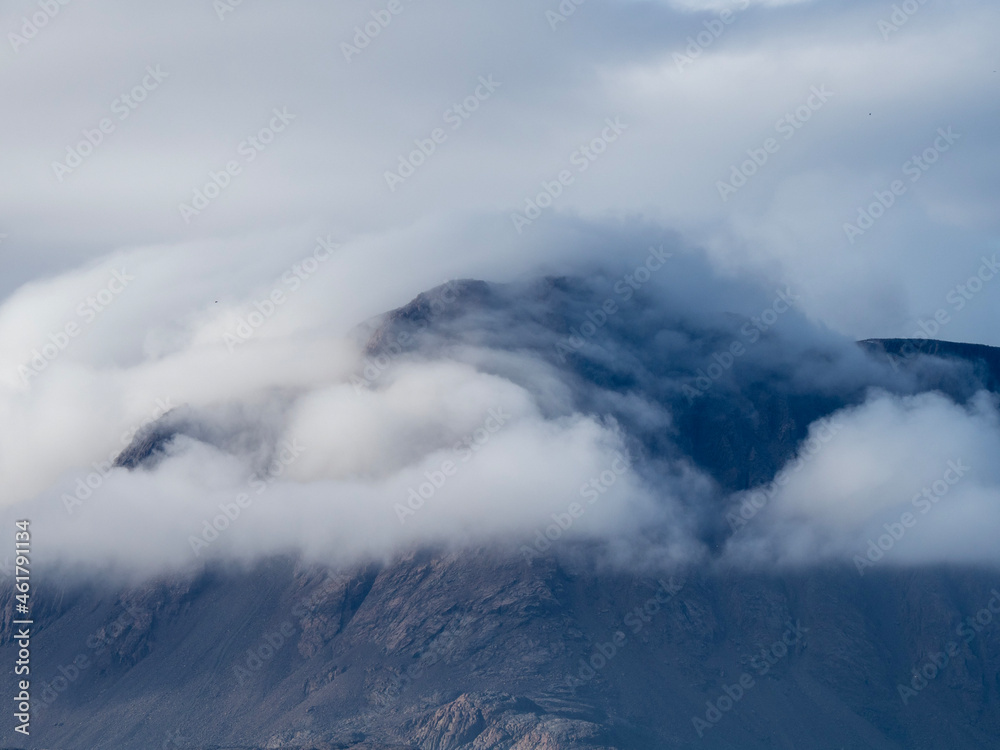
(504,375)
(520,477)
(288,431)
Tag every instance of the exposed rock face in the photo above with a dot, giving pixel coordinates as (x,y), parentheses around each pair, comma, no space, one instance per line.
(482,649)
(584,659)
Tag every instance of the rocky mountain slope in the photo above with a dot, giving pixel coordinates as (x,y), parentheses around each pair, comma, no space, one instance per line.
(488,648)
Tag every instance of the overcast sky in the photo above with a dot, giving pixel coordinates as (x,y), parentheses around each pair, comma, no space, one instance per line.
(692,112)
(167,167)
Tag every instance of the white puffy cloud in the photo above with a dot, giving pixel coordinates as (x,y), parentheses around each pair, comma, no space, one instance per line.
(918,472)
(693,108)
(688,126)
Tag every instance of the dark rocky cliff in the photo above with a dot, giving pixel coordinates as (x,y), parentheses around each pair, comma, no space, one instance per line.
(480,648)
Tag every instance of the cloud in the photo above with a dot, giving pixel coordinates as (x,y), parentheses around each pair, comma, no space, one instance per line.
(481,415)
(443,455)
(688,126)
(916,472)
(242,309)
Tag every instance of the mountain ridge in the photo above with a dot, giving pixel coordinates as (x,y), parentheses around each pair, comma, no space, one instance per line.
(481,648)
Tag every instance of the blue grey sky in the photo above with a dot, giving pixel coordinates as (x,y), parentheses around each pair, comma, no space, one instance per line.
(696,107)
(168,168)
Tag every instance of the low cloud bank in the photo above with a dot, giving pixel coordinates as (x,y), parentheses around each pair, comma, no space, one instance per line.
(529,414)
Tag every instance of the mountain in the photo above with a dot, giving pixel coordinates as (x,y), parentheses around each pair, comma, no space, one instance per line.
(549,646)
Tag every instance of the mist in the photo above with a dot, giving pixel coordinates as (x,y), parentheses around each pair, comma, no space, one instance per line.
(537,411)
